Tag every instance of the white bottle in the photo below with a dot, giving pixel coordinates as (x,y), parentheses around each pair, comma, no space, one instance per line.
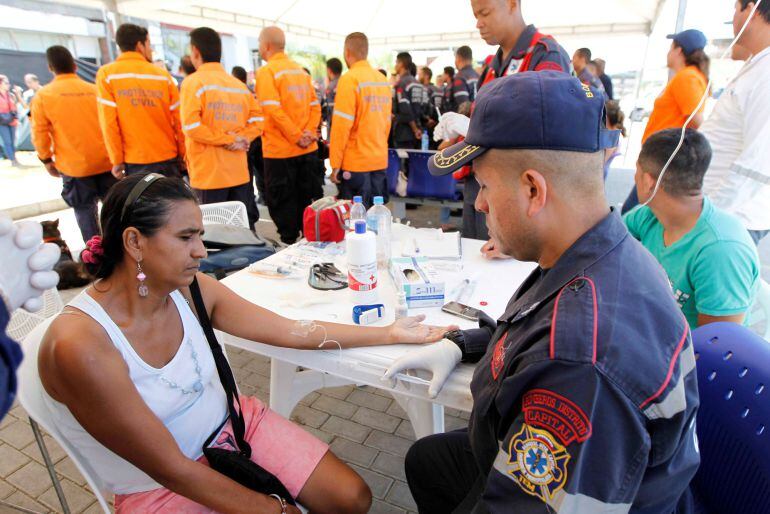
(379,220)
(357,212)
(402,308)
(362,265)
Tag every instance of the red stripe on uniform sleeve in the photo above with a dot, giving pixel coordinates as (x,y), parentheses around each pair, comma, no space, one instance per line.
(548,65)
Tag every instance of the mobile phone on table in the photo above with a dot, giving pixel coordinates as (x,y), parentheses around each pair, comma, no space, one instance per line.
(462,311)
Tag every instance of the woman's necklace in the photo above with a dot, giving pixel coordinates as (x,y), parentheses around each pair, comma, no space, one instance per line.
(198,384)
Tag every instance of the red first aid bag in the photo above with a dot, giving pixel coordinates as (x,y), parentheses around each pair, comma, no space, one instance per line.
(326,219)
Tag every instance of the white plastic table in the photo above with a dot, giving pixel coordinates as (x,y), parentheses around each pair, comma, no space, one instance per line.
(330,367)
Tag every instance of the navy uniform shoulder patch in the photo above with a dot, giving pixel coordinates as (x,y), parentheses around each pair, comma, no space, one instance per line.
(537,462)
(553,412)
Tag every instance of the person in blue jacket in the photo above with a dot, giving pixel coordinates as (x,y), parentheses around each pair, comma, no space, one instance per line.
(585,392)
(25,272)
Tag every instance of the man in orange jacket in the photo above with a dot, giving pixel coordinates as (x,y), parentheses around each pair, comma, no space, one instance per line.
(68,140)
(292,114)
(139,109)
(220,118)
(359,140)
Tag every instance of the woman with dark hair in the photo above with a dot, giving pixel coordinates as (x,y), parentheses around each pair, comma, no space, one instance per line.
(615,121)
(690,65)
(132,383)
(9,115)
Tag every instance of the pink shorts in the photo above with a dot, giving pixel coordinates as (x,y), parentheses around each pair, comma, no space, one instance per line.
(278,445)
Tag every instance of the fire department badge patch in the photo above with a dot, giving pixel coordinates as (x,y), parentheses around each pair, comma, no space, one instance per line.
(537,462)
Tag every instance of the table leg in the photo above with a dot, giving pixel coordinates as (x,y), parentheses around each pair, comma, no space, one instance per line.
(281,382)
(427,417)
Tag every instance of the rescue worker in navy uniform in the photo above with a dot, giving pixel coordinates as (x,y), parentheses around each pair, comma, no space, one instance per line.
(465,71)
(585,394)
(407,105)
(521,48)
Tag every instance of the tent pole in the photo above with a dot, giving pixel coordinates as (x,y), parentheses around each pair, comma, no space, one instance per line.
(681,12)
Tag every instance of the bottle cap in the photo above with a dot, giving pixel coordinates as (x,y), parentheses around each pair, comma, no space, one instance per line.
(360,227)
(357,199)
(378,200)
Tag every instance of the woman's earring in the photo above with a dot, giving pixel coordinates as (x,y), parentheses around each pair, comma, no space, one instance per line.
(141,277)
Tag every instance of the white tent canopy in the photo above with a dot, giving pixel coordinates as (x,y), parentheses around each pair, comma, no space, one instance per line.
(392,22)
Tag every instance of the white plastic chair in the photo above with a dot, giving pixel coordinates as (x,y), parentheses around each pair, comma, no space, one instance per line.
(762,310)
(31,398)
(23,322)
(226,213)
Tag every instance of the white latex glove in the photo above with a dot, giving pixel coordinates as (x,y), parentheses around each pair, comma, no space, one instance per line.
(25,264)
(438,358)
(453,125)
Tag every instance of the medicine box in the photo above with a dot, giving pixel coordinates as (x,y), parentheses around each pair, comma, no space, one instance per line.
(419,280)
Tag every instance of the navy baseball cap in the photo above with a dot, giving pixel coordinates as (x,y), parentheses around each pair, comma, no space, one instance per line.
(545,110)
(690,40)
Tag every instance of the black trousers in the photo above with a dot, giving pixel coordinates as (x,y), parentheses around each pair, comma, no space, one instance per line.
(474,222)
(83,195)
(291,185)
(169,168)
(442,473)
(243,193)
(366,184)
(256,166)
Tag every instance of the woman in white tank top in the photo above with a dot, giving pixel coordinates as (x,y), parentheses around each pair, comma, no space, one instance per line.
(132,383)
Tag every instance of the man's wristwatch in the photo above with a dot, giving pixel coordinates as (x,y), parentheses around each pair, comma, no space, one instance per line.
(282,502)
(458,338)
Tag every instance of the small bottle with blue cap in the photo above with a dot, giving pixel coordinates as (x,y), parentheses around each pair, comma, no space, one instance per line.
(361,249)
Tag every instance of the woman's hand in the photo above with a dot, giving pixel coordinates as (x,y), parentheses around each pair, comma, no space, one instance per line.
(411,330)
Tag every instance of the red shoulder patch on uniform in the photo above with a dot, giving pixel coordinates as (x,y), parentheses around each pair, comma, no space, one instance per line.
(498,356)
(548,65)
(561,417)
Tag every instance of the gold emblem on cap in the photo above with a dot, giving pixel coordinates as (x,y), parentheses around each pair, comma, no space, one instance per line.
(447,162)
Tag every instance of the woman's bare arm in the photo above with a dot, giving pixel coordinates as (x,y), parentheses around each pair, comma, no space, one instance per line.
(232,314)
(81,368)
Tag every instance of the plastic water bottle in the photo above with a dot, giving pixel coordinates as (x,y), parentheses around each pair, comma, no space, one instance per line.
(357,212)
(425,140)
(402,308)
(379,221)
(361,247)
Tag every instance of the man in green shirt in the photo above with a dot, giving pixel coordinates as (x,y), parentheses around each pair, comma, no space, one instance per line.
(708,255)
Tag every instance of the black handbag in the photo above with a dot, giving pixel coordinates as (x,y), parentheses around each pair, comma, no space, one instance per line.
(233,464)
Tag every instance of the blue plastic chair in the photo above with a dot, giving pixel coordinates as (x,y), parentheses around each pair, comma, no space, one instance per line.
(733,366)
(424,185)
(394,166)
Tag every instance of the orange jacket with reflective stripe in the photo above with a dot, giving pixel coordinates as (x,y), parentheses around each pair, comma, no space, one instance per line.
(139,111)
(359,138)
(216,108)
(290,106)
(65,126)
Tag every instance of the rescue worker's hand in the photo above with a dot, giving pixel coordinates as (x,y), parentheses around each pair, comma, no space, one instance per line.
(439,358)
(453,125)
(335,176)
(119,171)
(27,264)
(241,144)
(50,167)
(491,250)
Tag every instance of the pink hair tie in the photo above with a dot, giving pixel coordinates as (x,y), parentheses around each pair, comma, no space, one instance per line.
(93,251)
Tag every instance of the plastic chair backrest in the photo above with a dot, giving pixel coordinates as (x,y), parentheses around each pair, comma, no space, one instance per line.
(394,166)
(422,184)
(226,213)
(733,426)
(23,322)
(31,398)
(761,311)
